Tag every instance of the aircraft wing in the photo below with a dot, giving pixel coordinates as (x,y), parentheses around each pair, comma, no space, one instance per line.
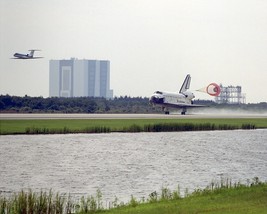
(180,105)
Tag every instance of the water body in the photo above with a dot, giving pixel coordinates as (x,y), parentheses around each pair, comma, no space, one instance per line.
(125,164)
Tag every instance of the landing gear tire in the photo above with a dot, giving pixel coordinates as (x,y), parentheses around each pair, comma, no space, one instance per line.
(183,111)
(167,112)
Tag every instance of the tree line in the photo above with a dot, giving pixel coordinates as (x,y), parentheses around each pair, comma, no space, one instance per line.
(126,104)
(27,104)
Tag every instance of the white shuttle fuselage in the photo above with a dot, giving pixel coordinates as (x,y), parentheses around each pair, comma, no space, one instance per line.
(182,100)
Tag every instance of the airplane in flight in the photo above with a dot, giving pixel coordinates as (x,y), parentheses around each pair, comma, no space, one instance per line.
(26,56)
(183,99)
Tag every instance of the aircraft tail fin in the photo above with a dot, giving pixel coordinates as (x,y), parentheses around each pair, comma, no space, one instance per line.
(186,84)
(31,53)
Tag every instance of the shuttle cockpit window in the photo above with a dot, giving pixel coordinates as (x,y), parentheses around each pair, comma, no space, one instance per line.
(157,92)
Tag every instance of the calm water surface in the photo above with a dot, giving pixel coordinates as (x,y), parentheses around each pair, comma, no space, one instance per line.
(125,164)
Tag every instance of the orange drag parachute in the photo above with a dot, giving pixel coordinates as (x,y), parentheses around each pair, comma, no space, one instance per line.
(212,89)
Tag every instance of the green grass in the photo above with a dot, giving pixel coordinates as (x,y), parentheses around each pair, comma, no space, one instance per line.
(122,125)
(221,198)
(231,201)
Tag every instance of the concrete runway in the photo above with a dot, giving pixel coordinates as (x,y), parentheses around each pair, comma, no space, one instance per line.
(127,116)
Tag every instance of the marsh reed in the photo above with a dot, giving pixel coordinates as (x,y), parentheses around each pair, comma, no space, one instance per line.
(28,202)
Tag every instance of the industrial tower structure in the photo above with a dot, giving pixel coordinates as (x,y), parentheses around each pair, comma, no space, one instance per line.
(231,95)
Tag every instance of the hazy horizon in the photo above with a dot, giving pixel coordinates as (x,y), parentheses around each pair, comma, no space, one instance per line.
(151,45)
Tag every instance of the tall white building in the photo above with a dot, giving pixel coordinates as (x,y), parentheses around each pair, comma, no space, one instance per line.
(79,78)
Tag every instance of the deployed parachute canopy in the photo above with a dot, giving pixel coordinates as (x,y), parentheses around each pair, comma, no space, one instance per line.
(213,89)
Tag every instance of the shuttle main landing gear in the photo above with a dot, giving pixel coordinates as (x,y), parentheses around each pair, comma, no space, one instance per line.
(166,111)
(183,111)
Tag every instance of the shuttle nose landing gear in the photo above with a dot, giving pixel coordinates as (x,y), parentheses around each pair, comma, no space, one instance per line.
(183,111)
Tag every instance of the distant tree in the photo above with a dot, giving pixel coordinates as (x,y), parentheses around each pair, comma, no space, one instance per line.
(122,104)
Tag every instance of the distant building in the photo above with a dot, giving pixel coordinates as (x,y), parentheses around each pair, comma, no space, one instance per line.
(79,78)
(231,95)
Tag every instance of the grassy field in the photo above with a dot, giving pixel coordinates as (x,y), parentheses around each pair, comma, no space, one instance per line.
(238,200)
(229,198)
(43,126)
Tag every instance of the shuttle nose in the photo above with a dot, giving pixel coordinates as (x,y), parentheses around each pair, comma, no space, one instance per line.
(151,100)
(155,99)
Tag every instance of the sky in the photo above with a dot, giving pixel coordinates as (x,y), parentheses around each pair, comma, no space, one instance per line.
(152,45)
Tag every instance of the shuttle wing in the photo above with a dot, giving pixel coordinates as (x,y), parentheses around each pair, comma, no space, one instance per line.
(180,105)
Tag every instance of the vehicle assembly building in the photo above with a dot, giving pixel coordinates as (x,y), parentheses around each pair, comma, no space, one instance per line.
(79,78)
(231,95)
